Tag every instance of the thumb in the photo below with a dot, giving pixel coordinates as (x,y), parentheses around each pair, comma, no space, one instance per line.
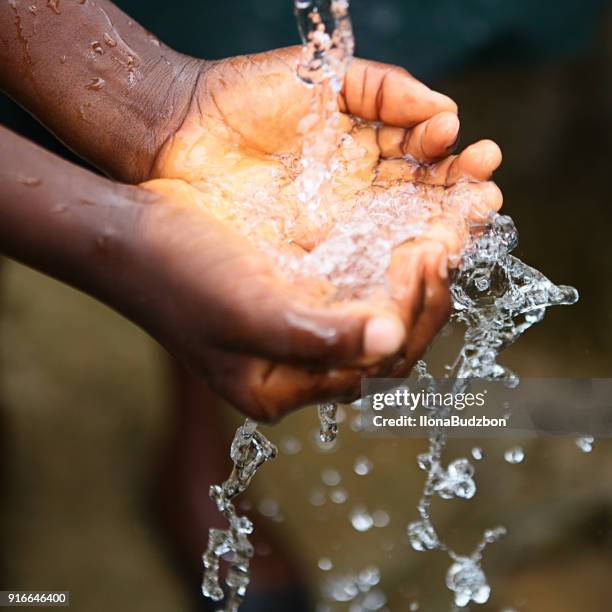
(381,92)
(282,328)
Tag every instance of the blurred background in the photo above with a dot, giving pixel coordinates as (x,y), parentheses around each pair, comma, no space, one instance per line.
(108,449)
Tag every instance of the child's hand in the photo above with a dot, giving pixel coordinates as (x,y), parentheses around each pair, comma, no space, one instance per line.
(268,345)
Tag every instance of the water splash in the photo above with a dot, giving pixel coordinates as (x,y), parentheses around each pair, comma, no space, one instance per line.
(362,466)
(327,34)
(250,449)
(477,453)
(361,519)
(328,46)
(495,295)
(358,588)
(497,298)
(514,455)
(327,419)
(585,443)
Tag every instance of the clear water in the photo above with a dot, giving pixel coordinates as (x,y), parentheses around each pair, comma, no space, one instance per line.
(250,449)
(495,296)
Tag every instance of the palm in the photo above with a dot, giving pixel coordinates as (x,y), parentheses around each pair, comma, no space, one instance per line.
(236,157)
(237,151)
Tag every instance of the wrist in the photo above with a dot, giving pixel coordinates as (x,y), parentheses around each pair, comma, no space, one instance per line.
(164,97)
(112,94)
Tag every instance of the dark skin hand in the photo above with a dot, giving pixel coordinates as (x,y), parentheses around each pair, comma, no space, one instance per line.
(166,255)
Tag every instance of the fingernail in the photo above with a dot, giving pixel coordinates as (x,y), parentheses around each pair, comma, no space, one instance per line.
(383,336)
(444,101)
(453,145)
(443,267)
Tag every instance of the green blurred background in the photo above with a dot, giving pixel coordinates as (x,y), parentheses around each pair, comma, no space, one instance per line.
(89,408)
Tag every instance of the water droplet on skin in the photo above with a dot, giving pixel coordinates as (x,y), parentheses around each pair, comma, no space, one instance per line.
(325,564)
(363,466)
(361,520)
(585,443)
(62,59)
(95,84)
(331,477)
(514,455)
(83,112)
(109,40)
(131,79)
(29,181)
(54,6)
(97,47)
(32,9)
(58,209)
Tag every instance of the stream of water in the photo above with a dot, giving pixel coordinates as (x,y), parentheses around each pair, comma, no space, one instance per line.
(495,296)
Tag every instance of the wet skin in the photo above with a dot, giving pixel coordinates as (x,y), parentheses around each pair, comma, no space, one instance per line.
(199,136)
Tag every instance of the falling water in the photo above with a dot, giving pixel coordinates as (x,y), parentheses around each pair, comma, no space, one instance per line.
(327,34)
(495,296)
(328,45)
(249,450)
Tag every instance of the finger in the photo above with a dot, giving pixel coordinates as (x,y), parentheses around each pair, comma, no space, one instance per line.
(390,171)
(380,92)
(444,231)
(477,162)
(267,321)
(427,141)
(405,280)
(475,200)
(436,306)
(267,391)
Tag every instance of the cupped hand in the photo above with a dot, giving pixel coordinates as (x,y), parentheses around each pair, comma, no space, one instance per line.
(265,342)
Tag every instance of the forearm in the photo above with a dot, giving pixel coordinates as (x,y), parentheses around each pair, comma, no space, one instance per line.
(104,85)
(66,222)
